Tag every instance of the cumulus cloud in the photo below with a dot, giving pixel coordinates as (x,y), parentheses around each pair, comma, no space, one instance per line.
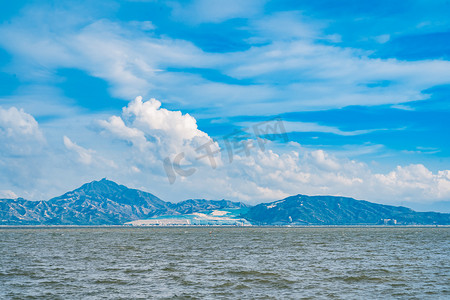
(318,172)
(19,133)
(414,182)
(156,131)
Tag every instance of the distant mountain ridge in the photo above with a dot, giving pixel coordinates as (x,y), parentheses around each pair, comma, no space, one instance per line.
(105,202)
(101,202)
(330,210)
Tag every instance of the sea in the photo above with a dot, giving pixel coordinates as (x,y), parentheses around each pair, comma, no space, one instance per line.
(225,263)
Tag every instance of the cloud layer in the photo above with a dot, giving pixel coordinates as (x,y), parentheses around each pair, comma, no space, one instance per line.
(259,174)
(148,134)
(302,68)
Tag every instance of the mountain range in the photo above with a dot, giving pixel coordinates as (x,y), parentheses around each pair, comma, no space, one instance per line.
(330,210)
(105,202)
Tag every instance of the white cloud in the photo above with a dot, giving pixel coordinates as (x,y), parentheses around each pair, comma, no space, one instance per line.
(22,147)
(143,25)
(384,38)
(7,194)
(19,133)
(157,131)
(318,172)
(290,72)
(117,127)
(286,25)
(153,119)
(87,157)
(314,127)
(323,76)
(129,61)
(414,182)
(15,122)
(84,155)
(215,11)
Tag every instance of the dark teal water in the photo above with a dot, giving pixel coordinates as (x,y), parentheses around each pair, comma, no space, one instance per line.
(224,263)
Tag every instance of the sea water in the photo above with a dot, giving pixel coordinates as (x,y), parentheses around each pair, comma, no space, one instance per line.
(225,263)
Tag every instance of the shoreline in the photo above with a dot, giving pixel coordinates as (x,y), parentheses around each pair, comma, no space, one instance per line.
(223,226)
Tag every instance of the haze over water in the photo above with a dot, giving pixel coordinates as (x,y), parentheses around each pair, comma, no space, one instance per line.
(224,263)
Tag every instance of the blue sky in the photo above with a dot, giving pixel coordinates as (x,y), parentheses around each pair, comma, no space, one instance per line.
(362,86)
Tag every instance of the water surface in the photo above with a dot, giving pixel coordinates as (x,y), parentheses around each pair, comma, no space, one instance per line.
(224,263)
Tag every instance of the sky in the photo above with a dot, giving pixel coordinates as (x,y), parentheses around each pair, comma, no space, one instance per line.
(250,100)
